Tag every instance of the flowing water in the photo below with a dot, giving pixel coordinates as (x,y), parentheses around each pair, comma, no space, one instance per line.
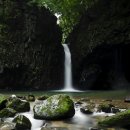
(80,121)
(68,84)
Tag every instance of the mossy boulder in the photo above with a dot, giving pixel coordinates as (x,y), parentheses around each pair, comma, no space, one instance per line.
(22,123)
(3,101)
(86,110)
(54,108)
(7,112)
(105,107)
(30,98)
(121,119)
(19,105)
(115,110)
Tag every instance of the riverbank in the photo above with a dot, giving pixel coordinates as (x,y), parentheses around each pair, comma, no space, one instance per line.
(120,94)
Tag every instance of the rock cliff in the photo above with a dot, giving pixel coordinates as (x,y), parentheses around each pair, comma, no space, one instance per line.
(31,55)
(100,46)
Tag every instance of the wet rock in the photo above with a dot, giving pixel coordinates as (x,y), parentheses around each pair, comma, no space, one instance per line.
(85,110)
(119,120)
(54,108)
(21,97)
(54,128)
(88,109)
(12,97)
(105,107)
(42,97)
(22,123)
(7,126)
(3,104)
(30,98)
(7,112)
(3,101)
(78,104)
(115,110)
(19,105)
(127,99)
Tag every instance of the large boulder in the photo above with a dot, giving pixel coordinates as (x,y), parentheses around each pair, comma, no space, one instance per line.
(121,119)
(54,108)
(7,112)
(22,123)
(19,105)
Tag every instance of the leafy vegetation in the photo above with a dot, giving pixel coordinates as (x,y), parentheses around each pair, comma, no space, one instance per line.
(68,11)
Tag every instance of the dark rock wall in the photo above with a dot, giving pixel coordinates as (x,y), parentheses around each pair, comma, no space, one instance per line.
(100,46)
(31,55)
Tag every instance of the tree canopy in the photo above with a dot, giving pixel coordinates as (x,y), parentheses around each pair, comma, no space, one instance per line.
(69,11)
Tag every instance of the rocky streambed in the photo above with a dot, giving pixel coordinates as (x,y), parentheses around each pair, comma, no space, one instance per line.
(60,112)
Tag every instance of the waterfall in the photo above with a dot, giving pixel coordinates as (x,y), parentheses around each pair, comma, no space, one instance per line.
(68,85)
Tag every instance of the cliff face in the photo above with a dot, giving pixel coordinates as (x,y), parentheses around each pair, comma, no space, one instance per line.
(100,46)
(31,55)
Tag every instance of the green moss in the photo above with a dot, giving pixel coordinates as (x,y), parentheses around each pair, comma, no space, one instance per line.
(55,107)
(19,105)
(2,97)
(22,123)
(105,107)
(121,119)
(7,112)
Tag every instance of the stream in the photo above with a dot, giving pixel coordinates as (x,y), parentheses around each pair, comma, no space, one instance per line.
(79,121)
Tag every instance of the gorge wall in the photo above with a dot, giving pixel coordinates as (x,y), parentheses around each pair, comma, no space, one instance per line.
(31,55)
(100,46)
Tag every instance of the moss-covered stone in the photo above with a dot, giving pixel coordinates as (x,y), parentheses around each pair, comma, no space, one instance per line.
(19,105)
(30,98)
(86,110)
(7,112)
(105,107)
(22,123)
(121,119)
(54,108)
(3,101)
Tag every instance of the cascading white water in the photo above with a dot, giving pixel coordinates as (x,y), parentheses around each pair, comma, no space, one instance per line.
(68,85)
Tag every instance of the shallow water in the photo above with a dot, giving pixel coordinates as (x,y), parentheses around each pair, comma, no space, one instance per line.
(80,121)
